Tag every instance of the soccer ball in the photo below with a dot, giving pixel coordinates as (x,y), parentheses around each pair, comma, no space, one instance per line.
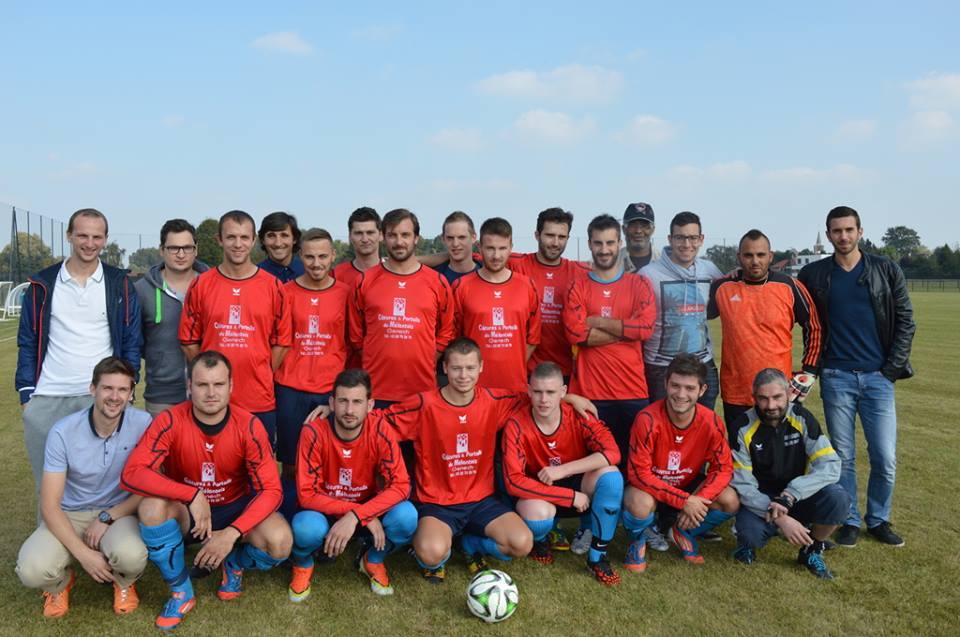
(492,596)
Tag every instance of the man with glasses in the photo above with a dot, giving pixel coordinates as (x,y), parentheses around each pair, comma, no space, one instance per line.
(161,292)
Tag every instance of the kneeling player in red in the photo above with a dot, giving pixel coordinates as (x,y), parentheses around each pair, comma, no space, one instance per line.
(207,475)
(554,459)
(671,443)
(349,469)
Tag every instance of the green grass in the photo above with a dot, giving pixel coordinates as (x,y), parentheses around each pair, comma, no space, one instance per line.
(878,590)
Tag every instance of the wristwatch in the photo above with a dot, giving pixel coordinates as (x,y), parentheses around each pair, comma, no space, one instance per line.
(105,517)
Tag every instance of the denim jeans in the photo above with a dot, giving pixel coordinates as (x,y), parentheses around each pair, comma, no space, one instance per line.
(657,384)
(846,394)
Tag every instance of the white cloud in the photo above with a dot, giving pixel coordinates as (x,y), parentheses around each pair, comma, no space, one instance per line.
(377,32)
(173,121)
(739,171)
(806,174)
(935,92)
(646,130)
(855,131)
(927,128)
(472,185)
(573,83)
(283,42)
(459,139)
(552,127)
(723,171)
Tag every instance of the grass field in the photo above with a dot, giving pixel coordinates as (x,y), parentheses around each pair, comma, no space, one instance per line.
(878,590)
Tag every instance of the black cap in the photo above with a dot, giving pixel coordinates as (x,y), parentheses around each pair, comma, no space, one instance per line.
(638,212)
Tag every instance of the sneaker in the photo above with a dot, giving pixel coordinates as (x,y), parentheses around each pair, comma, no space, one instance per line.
(813,560)
(828,545)
(655,539)
(377,573)
(175,610)
(231,584)
(745,555)
(57,604)
(884,534)
(581,542)
(435,575)
(541,552)
(711,536)
(687,545)
(603,572)
(476,563)
(557,541)
(125,600)
(636,559)
(847,536)
(299,588)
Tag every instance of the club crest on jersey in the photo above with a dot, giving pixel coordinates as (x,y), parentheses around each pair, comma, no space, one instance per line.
(399,306)
(555,461)
(402,284)
(314,301)
(462,418)
(498,316)
(606,311)
(234,315)
(313,324)
(347,453)
(548,293)
(208,472)
(346,477)
(673,461)
(463,443)
(208,447)
(236,291)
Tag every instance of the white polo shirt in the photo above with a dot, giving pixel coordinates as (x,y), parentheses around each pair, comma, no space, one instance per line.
(79,335)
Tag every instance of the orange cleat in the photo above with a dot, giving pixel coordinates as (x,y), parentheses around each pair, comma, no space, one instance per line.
(379,580)
(57,604)
(125,600)
(299,588)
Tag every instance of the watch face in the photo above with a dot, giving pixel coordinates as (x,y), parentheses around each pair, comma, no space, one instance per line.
(105,517)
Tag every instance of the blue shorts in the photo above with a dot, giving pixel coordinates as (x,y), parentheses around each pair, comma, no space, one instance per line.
(472,517)
(293,406)
(222,515)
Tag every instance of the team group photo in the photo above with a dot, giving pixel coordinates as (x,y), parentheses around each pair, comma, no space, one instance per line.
(525,409)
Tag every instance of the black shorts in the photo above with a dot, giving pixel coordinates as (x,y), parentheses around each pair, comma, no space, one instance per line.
(293,406)
(667,513)
(472,517)
(222,515)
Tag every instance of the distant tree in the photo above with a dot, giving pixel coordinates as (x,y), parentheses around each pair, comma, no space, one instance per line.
(903,240)
(208,250)
(430,246)
(112,254)
(32,256)
(805,252)
(143,259)
(947,260)
(343,250)
(724,257)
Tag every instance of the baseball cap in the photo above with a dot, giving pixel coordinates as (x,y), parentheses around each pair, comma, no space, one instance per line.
(638,212)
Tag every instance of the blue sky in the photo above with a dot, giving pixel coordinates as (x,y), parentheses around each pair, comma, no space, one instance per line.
(750,114)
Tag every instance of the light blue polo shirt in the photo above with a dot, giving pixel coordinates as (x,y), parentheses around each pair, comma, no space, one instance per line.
(92,464)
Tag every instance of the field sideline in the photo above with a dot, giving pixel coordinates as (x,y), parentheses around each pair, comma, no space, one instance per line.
(878,590)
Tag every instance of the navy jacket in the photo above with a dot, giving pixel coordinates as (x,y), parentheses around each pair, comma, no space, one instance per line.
(123,316)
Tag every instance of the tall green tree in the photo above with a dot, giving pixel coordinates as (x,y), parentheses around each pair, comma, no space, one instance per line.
(112,254)
(208,250)
(143,259)
(31,256)
(902,240)
(724,257)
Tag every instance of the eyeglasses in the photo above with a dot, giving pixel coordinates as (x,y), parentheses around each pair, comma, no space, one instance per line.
(686,238)
(183,249)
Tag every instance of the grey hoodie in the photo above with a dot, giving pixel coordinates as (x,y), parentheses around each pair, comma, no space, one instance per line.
(681,295)
(160,317)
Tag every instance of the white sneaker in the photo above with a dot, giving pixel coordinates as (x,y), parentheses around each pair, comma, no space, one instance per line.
(581,542)
(655,539)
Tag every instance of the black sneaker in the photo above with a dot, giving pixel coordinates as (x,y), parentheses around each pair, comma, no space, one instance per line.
(884,534)
(745,555)
(847,536)
(711,536)
(813,560)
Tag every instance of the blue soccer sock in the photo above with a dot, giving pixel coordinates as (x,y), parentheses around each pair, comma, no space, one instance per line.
(585,521)
(484,545)
(540,528)
(165,549)
(247,556)
(635,526)
(714,518)
(309,531)
(432,567)
(604,512)
(399,525)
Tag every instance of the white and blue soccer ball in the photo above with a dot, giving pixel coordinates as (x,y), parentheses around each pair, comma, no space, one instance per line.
(492,596)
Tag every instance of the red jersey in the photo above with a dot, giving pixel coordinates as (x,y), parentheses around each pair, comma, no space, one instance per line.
(665,458)
(454,446)
(613,371)
(177,456)
(553,283)
(243,319)
(347,272)
(318,320)
(503,318)
(365,475)
(527,450)
(401,322)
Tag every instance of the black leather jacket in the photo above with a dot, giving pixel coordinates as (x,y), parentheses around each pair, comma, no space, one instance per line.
(891,307)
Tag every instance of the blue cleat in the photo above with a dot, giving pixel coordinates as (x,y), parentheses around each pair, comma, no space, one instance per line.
(636,559)
(175,610)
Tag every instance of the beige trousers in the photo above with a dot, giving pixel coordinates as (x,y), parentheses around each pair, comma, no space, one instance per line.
(43,560)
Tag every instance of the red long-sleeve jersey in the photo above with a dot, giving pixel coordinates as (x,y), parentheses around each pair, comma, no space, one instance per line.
(613,371)
(665,458)
(527,450)
(318,320)
(243,319)
(503,318)
(553,283)
(176,457)
(365,475)
(401,322)
(454,445)
(348,274)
